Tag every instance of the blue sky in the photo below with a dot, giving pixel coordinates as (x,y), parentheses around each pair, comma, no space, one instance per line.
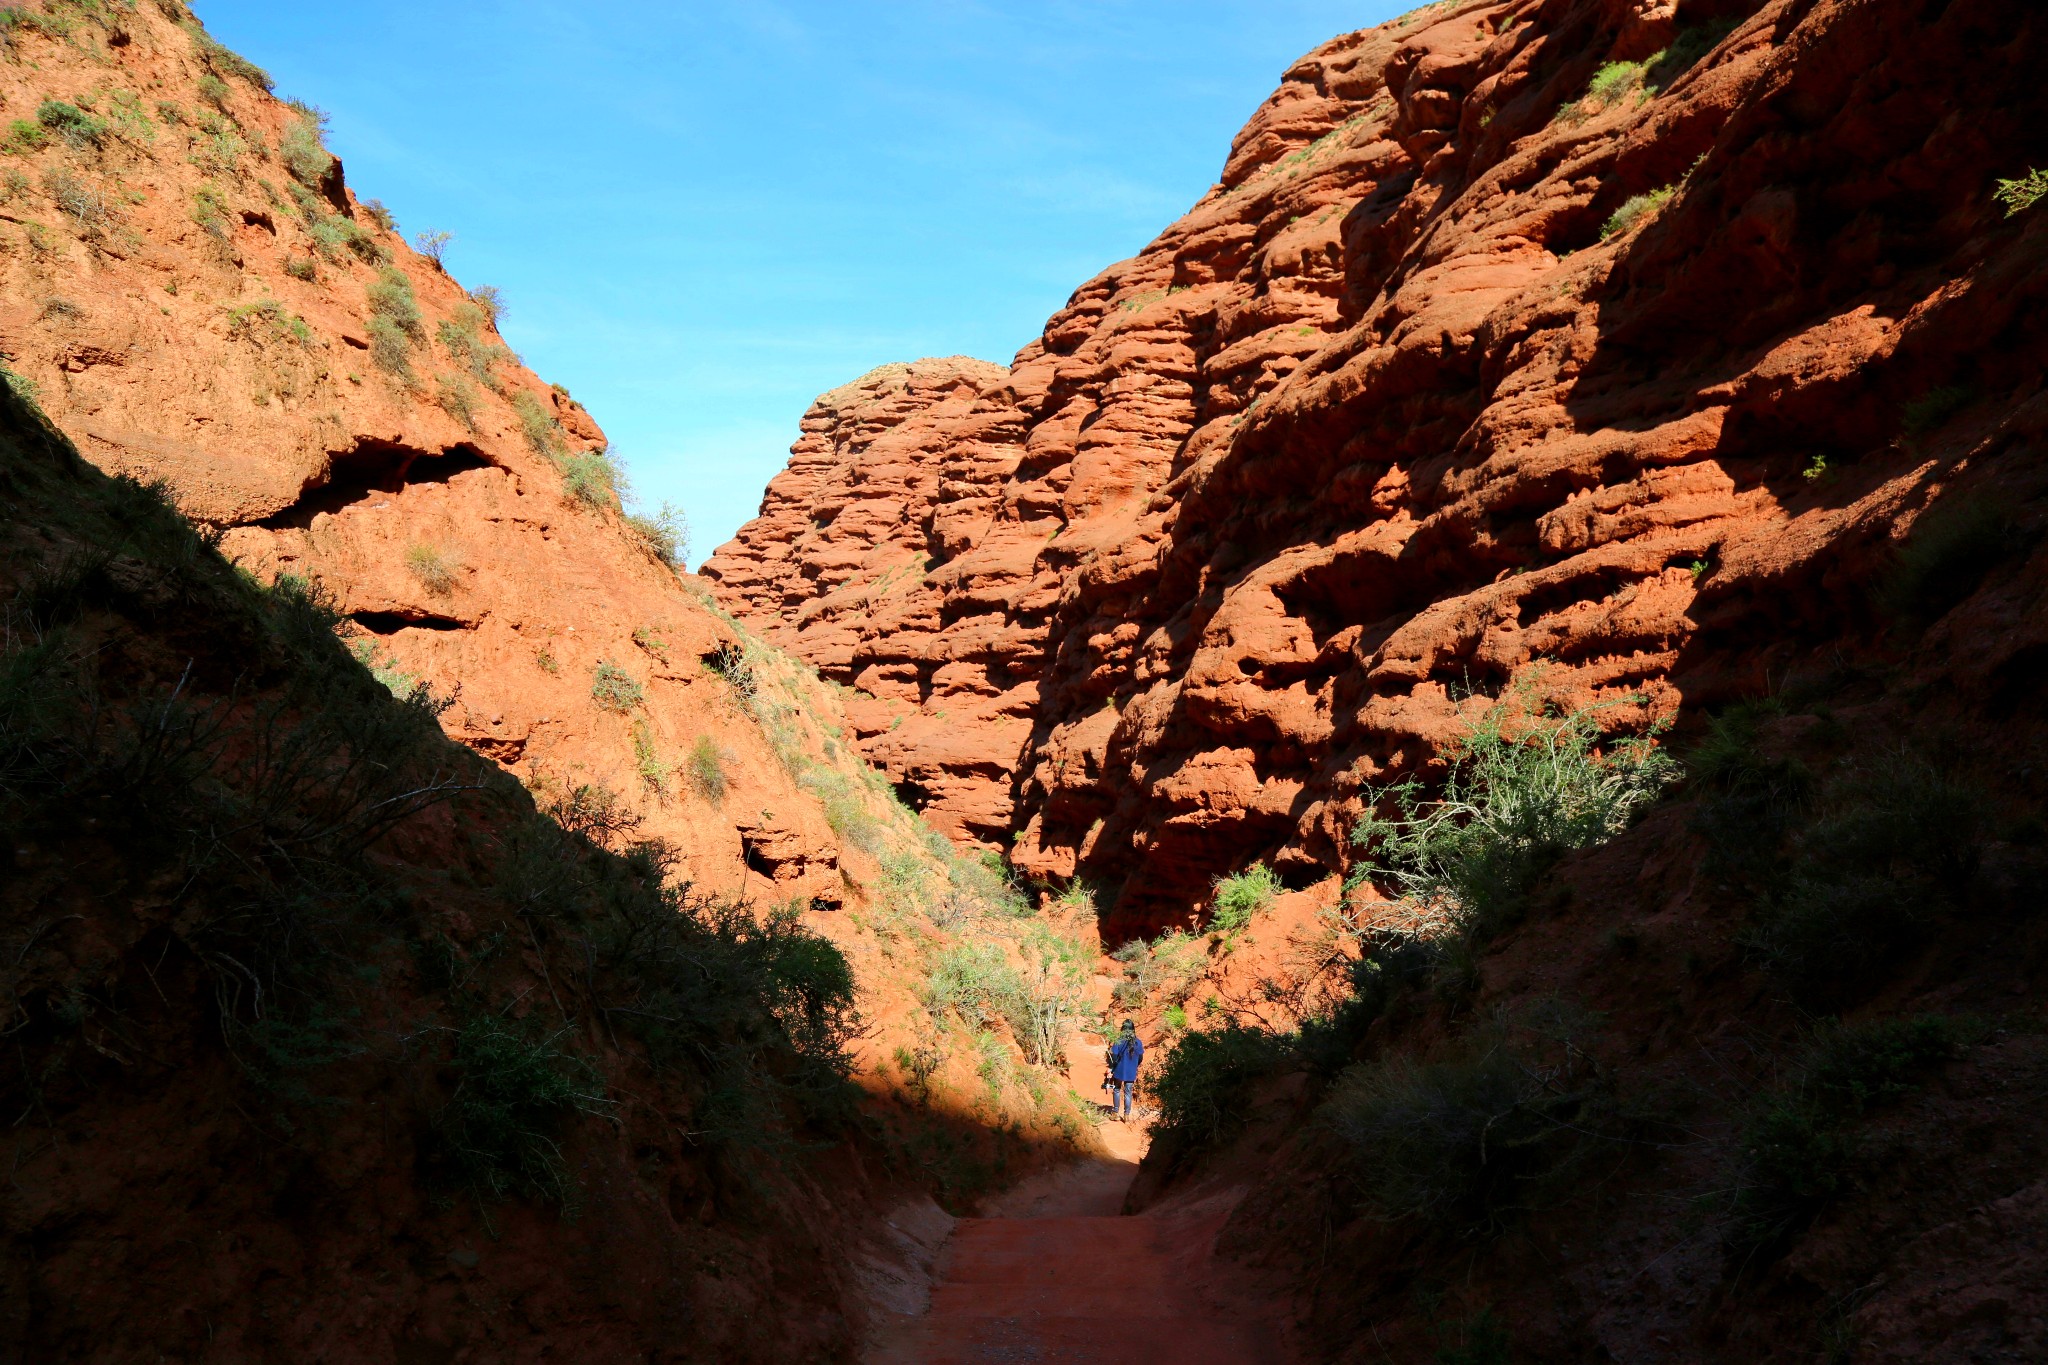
(704,215)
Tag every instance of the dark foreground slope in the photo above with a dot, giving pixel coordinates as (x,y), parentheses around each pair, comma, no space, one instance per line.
(322,1043)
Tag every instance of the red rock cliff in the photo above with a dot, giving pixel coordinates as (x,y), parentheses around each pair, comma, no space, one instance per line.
(1587,345)
(194,294)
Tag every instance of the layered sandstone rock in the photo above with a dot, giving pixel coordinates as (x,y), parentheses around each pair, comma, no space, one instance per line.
(1464,378)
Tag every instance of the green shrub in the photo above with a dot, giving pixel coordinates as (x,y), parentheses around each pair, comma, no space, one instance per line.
(614,689)
(391,298)
(434,246)
(302,268)
(591,479)
(213,90)
(1459,1142)
(2017,196)
(436,571)
(707,770)
(972,980)
(1049,995)
(513,1093)
(490,301)
(86,205)
(1635,210)
(390,348)
(268,321)
(666,534)
(1889,846)
(457,398)
(1799,1149)
(1242,895)
(1950,551)
(1751,799)
(1510,808)
(226,61)
(1614,80)
(647,759)
(543,433)
(70,123)
(1204,1088)
(380,217)
(303,149)
(1169,964)
(1692,43)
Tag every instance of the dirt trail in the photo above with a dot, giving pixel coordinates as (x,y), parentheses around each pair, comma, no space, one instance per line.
(1056,1273)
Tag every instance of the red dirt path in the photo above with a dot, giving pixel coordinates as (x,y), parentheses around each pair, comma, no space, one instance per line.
(1057,1273)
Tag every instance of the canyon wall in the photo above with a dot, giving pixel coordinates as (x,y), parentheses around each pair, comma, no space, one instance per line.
(1584,347)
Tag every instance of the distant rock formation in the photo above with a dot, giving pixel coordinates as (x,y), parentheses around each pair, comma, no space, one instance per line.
(1581,347)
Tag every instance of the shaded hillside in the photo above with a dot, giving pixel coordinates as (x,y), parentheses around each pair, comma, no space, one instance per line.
(324,1042)
(1584,345)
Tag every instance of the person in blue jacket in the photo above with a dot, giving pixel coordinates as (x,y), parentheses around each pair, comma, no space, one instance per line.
(1126,1054)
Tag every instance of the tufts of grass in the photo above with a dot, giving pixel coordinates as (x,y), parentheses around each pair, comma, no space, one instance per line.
(1634,211)
(1614,80)
(542,432)
(705,768)
(614,689)
(665,534)
(592,479)
(70,124)
(436,571)
(647,759)
(303,148)
(458,398)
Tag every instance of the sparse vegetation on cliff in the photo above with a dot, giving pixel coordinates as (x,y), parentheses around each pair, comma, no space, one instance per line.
(1520,791)
(1638,208)
(614,689)
(435,569)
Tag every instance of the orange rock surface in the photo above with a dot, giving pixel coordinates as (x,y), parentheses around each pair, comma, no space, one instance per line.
(1469,374)
(188,309)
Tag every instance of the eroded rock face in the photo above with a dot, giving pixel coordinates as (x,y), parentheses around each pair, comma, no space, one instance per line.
(1462,379)
(192,305)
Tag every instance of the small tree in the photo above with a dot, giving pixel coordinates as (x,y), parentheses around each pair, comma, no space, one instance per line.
(434,246)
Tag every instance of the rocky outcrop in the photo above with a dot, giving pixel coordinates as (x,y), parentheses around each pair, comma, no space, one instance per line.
(192,292)
(1583,347)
